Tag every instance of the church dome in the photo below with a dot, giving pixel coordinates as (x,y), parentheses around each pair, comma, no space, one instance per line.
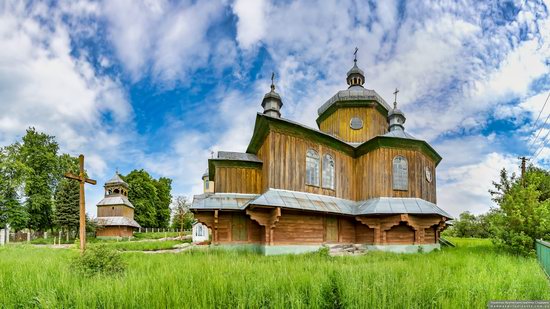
(355,76)
(116,180)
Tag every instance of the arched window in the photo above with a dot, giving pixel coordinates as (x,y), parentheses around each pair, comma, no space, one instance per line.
(312,167)
(400,173)
(328,172)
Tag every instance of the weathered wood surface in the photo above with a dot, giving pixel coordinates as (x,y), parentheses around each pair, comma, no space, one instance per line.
(238,180)
(368,176)
(338,124)
(115,211)
(273,226)
(115,231)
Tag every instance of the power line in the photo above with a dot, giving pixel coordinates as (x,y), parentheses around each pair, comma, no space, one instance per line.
(544,142)
(545,121)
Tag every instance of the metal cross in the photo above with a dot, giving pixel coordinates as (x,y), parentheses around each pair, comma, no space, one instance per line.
(81,178)
(272,81)
(395,100)
(355,54)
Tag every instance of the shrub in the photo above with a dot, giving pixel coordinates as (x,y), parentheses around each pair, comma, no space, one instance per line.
(99,259)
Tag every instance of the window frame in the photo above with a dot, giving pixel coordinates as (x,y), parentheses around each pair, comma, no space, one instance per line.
(332,172)
(313,156)
(396,184)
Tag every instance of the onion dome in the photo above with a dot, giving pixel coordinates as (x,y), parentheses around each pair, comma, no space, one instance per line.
(396,117)
(355,76)
(272,102)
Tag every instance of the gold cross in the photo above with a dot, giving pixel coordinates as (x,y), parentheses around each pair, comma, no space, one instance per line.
(81,178)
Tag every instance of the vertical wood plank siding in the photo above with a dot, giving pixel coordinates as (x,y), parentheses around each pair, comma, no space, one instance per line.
(368,176)
(115,211)
(238,180)
(338,123)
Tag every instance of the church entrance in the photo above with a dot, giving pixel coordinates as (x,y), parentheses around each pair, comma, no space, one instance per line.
(331,229)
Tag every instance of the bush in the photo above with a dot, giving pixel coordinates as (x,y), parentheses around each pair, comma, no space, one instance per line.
(99,259)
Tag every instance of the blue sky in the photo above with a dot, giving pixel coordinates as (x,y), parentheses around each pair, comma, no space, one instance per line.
(160,84)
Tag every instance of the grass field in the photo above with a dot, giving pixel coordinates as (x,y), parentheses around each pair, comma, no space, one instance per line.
(464,277)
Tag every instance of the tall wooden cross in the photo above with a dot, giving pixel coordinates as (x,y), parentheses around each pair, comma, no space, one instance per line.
(81,178)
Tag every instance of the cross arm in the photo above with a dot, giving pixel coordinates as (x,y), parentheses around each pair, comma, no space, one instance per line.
(72,176)
(90,181)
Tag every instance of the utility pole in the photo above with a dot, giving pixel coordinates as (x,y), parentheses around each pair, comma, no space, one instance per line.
(81,178)
(523,162)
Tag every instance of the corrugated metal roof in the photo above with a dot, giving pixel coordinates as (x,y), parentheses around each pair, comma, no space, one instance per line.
(304,201)
(115,200)
(239,156)
(220,201)
(116,221)
(354,93)
(398,205)
(317,202)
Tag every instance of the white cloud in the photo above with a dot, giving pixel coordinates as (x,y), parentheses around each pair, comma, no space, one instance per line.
(250,25)
(43,85)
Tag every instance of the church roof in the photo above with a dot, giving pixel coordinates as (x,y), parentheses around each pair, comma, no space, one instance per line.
(238,156)
(400,134)
(353,94)
(116,221)
(115,200)
(319,203)
(116,180)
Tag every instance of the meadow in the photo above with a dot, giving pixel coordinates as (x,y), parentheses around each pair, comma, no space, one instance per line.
(467,276)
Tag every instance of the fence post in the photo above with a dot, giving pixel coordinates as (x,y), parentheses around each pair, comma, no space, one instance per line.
(45,235)
(28,236)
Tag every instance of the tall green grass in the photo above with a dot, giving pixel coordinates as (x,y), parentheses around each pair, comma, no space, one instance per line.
(467,276)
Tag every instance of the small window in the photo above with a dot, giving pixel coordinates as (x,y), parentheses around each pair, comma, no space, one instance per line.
(400,173)
(328,172)
(206,184)
(199,230)
(312,167)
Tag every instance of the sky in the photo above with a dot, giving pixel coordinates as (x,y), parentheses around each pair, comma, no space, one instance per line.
(159,85)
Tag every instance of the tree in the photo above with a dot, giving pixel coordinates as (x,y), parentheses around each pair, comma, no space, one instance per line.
(164,187)
(12,173)
(524,214)
(182,218)
(142,194)
(67,196)
(38,153)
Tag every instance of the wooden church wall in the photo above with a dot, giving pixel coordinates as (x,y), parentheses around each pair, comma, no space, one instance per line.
(299,228)
(338,123)
(374,175)
(238,180)
(284,166)
(115,211)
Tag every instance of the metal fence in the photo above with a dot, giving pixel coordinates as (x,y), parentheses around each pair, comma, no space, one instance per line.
(543,255)
(159,230)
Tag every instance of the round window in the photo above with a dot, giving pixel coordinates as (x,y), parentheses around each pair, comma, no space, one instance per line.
(356,123)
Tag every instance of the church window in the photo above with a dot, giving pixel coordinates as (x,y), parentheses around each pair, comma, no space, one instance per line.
(312,167)
(328,172)
(199,230)
(206,184)
(400,173)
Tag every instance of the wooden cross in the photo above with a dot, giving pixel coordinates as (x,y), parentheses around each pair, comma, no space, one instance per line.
(81,178)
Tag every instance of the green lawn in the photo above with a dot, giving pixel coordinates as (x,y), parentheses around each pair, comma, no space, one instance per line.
(464,277)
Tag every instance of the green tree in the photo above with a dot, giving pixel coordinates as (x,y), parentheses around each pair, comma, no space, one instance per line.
(182,218)
(38,153)
(164,187)
(12,173)
(524,211)
(142,194)
(67,205)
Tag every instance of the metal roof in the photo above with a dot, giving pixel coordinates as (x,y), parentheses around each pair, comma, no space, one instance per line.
(398,205)
(223,201)
(117,221)
(399,134)
(354,93)
(115,200)
(239,156)
(304,201)
(317,202)
(116,180)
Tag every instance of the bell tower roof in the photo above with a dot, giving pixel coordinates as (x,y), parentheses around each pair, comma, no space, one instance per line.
(272,102)
(116,180)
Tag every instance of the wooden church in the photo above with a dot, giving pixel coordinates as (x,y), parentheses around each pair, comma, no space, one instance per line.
(115,213)
(357,179)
